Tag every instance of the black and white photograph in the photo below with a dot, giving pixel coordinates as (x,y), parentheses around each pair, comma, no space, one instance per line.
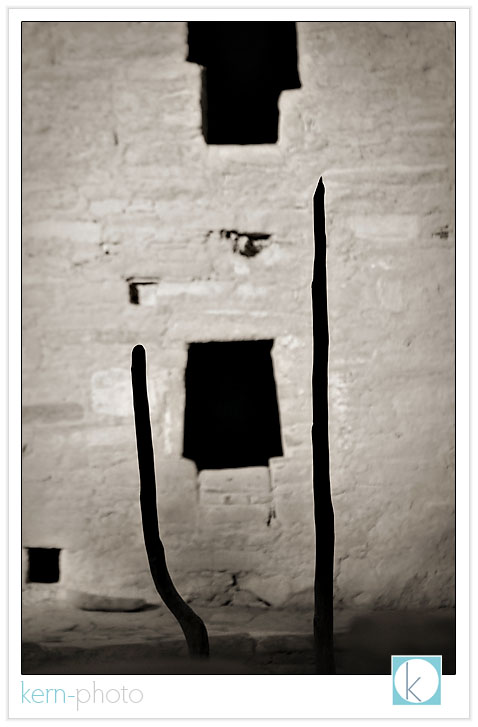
(238,367)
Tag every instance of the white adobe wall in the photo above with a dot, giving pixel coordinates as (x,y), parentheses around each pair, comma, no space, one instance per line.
(118,182)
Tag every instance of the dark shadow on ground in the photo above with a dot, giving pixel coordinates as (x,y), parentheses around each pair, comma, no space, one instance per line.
(364,644)
(370,641)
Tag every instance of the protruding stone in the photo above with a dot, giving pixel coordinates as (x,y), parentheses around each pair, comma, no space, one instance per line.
(96,602)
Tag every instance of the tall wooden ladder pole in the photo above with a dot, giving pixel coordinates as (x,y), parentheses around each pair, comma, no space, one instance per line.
(323,509)
(193,627)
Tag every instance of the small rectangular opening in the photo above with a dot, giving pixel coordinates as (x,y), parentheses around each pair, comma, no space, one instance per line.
(43,565)
(231,416)
(142,292)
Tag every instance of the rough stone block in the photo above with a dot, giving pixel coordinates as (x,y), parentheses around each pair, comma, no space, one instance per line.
(294,510)
(76,231)
(106,207)
(385,226)
(212,497)
(253,480)
(180,507)
(274,590)
(235,518)
(287,473)
(92,602)
(52,413)
(24,566)
(111,392)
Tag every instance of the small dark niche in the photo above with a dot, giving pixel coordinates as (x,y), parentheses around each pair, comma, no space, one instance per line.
(43,565)
(135,287)
(133,293)
(231,416)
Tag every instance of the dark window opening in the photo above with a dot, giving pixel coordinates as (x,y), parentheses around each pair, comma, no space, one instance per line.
(231,416)
(246,65)
(43,565)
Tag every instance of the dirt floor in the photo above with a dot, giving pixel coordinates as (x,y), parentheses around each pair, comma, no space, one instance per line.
(61,639)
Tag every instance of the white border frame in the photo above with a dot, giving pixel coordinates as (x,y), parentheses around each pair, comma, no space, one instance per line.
(248,696)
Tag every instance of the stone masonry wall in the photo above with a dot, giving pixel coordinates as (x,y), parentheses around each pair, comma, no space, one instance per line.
(119,186)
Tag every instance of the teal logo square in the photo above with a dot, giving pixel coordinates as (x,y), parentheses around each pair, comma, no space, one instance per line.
(416,679)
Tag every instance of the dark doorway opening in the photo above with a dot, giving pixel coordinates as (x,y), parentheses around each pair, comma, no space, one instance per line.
(231,416)
(43,565)
(246,65)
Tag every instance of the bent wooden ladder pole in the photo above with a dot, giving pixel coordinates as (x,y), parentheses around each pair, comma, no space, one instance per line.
(323,509)
(192,626)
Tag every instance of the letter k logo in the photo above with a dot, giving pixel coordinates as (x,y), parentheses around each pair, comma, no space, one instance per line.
(416,679)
